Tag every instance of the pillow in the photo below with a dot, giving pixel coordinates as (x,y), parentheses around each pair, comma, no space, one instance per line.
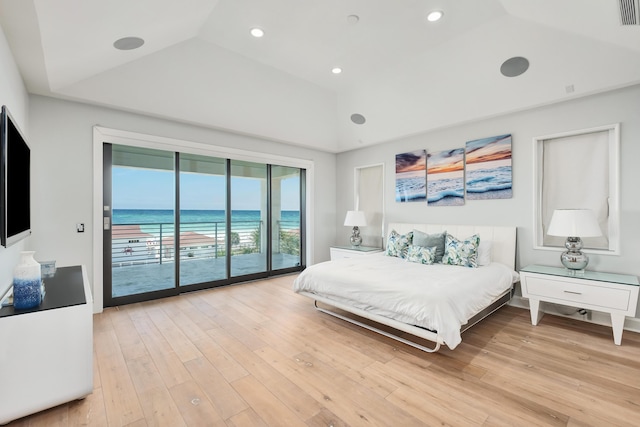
(421,254)
(484,252)
(461,252)
(427,240)
(397,244)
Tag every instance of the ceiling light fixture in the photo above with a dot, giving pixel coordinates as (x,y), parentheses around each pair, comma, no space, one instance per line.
(257,32)
(353,19)
(336,70)
(435,15)
(128,43)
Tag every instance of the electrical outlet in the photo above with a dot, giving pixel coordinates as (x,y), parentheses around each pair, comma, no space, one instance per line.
(80,227)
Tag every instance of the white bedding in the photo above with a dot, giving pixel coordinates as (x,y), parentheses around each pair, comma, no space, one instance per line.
(438,297)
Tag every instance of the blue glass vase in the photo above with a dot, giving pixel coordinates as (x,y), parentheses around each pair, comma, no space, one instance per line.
(27,282)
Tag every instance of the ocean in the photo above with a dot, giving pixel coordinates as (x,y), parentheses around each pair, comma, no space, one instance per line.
(495,180)
(445,188)
(290,219)
(410,186)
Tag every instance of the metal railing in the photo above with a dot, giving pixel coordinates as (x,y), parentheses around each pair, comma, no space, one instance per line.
(288,237)
(154,243)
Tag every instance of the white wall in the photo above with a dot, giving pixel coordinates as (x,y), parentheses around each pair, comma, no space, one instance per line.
(14,95)
(621,105)
(62,138)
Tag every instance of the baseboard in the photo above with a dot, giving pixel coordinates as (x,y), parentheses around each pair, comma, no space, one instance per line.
(630,324)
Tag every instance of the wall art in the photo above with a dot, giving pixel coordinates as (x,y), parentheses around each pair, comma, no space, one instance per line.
(411,176)
(488,168)
(445,178)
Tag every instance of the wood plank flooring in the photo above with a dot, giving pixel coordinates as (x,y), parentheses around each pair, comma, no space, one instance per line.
(257,354)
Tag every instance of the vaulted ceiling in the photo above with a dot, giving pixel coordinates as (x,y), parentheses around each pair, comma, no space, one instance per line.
(402,73)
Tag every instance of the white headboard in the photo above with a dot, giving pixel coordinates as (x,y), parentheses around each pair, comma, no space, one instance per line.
(503,238)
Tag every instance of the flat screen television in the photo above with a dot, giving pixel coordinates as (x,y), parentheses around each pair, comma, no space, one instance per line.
(15,182)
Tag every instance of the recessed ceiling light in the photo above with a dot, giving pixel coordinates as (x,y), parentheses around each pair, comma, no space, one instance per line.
(128,43)
(257,32)
(353,19)
(435,15)
(336,70)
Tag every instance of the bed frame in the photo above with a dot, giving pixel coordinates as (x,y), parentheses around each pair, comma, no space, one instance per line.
(503,250)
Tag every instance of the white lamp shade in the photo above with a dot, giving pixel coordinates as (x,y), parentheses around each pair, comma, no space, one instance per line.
(355,219)
(574,223)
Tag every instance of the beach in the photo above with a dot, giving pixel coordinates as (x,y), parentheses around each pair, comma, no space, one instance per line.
(494,194)
(448,201)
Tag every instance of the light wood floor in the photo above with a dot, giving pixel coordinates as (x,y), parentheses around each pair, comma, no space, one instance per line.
(259,355)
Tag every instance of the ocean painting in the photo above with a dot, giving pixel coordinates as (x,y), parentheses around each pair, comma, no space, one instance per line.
(411,176)
(445,178)
(488,164)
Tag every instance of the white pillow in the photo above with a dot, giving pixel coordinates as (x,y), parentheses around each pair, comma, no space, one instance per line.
(484,252)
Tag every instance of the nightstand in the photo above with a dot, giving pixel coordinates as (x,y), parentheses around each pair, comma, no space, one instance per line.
(338,252)
(616,294)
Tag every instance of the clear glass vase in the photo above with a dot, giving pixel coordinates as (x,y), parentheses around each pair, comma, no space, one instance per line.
(27,282)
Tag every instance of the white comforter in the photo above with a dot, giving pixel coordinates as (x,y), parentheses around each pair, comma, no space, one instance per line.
(438,297)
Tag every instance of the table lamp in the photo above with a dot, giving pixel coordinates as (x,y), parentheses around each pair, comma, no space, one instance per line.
(574,223)
(355,219)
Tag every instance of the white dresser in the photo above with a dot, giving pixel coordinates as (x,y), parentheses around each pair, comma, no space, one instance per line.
(338,252)
(46,357)
(616,294)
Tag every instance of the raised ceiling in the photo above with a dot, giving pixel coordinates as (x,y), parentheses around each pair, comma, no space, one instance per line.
(403,74)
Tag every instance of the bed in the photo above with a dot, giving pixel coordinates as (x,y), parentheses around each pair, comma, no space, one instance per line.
(435,302)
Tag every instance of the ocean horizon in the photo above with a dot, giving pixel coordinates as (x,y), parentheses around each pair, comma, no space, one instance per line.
(165,216)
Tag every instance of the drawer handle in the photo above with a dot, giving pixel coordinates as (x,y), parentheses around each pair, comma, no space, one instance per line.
(575,293)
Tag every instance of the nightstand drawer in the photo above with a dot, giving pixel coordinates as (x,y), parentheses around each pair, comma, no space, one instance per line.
(339,252)
(578,293)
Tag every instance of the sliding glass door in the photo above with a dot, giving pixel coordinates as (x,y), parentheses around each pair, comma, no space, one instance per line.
(140,259)
(248,240)
(203,213)
(286,212)
(175,222)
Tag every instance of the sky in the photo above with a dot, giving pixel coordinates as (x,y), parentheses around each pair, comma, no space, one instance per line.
(446,161)
(488,149)
(154,189)
(411,162)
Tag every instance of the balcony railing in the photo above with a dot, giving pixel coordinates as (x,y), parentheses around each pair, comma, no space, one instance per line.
(288,237)
(154,243)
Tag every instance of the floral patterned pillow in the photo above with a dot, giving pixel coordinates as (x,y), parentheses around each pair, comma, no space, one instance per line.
(461,252)
(398,244)
(421,254)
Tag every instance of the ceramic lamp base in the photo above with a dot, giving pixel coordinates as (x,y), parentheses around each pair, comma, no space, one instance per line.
(573,258)
(356,240)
